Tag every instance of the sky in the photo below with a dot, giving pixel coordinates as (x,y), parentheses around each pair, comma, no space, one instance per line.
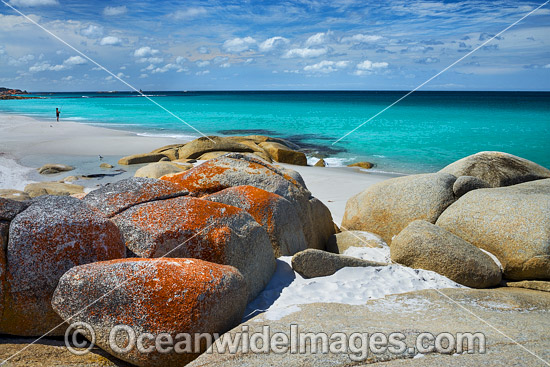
(274,45)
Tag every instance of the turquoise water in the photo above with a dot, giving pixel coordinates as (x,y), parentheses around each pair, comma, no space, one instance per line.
(423,133)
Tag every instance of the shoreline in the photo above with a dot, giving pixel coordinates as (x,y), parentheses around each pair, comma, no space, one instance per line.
(31,143)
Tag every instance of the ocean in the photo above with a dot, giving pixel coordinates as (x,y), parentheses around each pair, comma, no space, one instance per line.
(423,133)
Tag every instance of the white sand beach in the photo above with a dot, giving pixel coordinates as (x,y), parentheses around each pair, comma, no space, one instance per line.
(31,143)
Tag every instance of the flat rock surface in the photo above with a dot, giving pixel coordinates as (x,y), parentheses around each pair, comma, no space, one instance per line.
(522,315)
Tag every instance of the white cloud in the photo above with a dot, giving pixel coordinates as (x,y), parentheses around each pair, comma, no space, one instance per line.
(203,64)
(115,10)
(360,38)
(326,66)
(20,61)
(142,76)
(203,50)
(237,45)
(68,78)
(145,52)
(166,68)
(92,31)
(547,66)
(319,39)
(74,60)
(151,60)
(110,41)
(272,43)
(204,72)
(188,13)
(305,52)
(225,65)
(367,66)
(31,3)
(180,60)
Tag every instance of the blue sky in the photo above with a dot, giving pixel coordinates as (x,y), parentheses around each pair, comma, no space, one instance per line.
(266,45)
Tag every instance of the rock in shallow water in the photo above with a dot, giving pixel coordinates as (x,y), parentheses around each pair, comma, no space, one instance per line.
(422,245)
(47,239)
(152,296)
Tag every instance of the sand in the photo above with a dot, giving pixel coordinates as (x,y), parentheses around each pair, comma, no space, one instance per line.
(27,142)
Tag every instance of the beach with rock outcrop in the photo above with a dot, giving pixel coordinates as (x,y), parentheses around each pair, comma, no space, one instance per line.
(222,234)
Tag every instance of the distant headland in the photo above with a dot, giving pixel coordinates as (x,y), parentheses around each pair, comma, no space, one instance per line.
(7,93)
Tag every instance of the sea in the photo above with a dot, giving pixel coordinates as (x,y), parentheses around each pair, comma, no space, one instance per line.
(422,133)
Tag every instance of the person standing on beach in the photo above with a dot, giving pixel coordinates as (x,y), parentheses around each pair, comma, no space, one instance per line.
(57,112)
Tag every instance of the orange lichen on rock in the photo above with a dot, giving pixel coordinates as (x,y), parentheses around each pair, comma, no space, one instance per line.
(193,228)
(166,295)
(47,239)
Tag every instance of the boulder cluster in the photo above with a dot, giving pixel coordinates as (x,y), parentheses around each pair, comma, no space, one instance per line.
(183,254)
(458,220)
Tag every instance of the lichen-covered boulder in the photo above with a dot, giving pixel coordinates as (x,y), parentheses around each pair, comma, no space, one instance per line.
(239,169)
(188,227)
(113,198)
(10,208)
(154,296)
(512,223)
(423,245)
(276,214)
(389,206)
(47,239)
(497,168)
(312,263)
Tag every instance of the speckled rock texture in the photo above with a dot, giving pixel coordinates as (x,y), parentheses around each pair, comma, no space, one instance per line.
(202,145)
(513,223)
(10,208)
(464,184)
(239,169)
(389,206)
(194,228)
(312,263)
(422,245)
(116,197)
(338,243)
(537,285)
(283,154)
(47,239)
(497,168)
(276,214)
(163,296)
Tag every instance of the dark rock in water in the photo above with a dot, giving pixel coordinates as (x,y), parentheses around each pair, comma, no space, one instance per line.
(10,208)
(116,197)
(100,175)
(51,236)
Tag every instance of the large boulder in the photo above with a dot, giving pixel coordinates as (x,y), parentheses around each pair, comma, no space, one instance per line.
(497,168)
(513,223)
(338,243)
(389,206)
(142,158)
(312,263)
(276,214)
(37,189)
(283,154)
(10,208)
(170,151)
(159,169)
(200,229)
(198,147)
(240,169)
(152,296)
(423,245)
(464,184)
(51,236)
(114,198)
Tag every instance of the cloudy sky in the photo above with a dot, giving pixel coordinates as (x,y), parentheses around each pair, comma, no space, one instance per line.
(287,44)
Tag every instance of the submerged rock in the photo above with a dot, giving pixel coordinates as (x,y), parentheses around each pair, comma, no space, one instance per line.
(51,168)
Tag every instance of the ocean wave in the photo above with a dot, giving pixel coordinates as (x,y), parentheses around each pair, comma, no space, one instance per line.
(174,136)
(13,175)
